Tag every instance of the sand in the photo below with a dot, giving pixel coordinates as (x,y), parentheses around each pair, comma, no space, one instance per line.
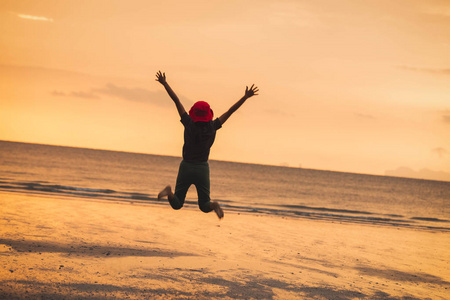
(55,248)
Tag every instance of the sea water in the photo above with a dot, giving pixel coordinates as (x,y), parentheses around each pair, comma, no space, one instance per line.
(66,172)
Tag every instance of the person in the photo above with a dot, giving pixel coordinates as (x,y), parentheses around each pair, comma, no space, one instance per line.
(199,135)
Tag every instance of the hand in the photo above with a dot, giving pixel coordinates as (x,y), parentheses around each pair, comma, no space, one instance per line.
(251,92)
(161,77)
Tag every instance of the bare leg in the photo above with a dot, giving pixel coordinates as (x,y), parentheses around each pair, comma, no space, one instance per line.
(216,207)
(167,191)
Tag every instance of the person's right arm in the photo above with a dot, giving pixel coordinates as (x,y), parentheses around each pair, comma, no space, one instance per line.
(161,78)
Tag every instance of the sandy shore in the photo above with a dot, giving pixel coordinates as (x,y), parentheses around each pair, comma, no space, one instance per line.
(75,249)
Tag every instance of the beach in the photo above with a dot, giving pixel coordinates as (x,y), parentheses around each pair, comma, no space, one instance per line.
(66,248)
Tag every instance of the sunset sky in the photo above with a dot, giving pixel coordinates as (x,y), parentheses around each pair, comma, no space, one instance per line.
(345,85)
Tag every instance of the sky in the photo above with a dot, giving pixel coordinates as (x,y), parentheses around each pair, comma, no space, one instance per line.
(345,85)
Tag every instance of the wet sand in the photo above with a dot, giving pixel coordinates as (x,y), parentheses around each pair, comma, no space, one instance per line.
(84,249)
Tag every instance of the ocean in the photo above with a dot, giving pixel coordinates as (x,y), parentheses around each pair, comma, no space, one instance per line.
(100,175)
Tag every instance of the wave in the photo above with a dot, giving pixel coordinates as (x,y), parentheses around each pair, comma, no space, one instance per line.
(430,219)
(328,209)
(375,219)
(44,187)
(296,211)
(52,188)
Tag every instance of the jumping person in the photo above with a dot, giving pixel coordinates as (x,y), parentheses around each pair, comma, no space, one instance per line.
(199,134)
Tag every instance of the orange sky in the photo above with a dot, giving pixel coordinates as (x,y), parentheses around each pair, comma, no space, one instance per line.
(346,85)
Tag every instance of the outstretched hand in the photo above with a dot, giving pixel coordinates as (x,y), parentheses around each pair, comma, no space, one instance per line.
(251,92)
(161,77)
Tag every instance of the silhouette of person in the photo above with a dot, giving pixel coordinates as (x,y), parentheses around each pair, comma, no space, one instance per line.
(199,134)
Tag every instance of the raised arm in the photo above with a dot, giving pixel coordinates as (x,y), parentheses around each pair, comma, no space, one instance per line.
(161,78)
(248,93)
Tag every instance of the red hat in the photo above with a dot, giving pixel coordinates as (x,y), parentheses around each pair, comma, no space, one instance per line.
(201,112)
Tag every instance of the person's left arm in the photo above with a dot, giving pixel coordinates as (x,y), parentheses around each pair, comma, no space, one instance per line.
(248,93)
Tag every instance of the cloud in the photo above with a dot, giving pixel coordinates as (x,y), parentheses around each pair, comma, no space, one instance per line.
(421,174)
(86,95)
(132,94)
(442,71)
(138,94)
(364,116)
(445,115)
(35,18)
(58,94)
(441,152)
(446,118)
(135,94)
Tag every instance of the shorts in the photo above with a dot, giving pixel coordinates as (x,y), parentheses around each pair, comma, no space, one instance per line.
(196,173)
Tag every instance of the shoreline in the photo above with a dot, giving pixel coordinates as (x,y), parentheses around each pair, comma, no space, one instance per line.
(333,215)
(78,249)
